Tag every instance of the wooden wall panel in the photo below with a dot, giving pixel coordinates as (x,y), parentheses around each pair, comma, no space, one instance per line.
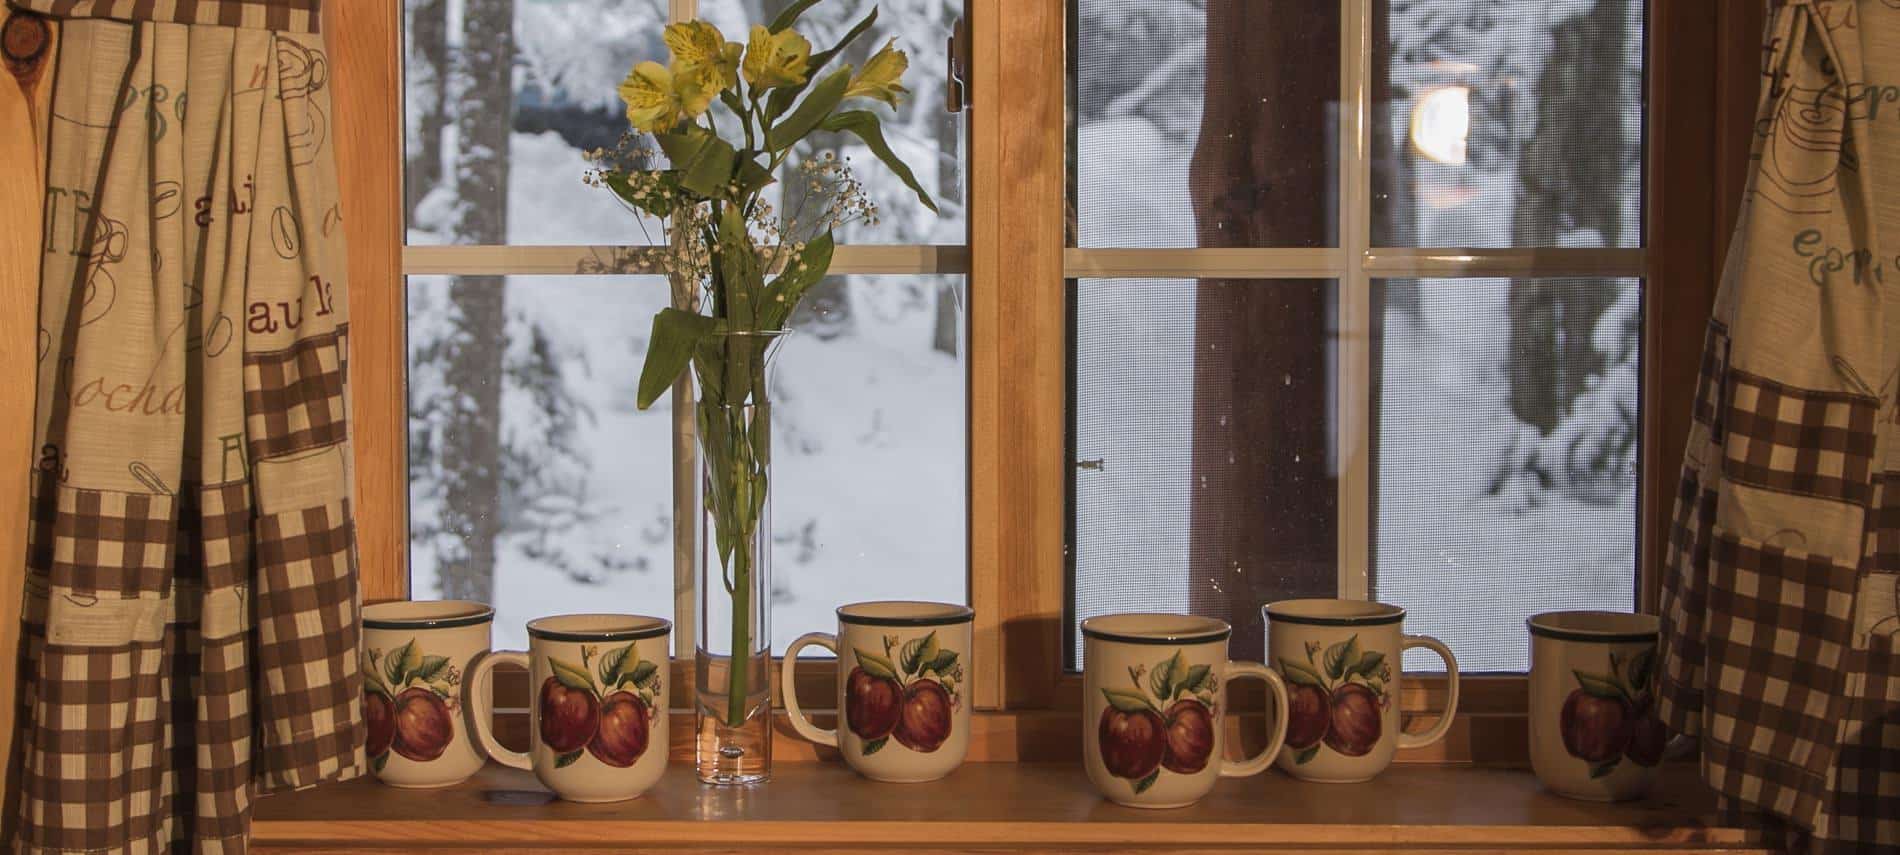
(364,40)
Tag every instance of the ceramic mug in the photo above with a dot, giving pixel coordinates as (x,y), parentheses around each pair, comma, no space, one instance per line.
(1594,730)
(903,671)
(1343,661)
(1154,704)
(415,654)
(597,722)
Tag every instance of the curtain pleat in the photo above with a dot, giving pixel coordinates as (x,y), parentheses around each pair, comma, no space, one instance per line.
(191,620)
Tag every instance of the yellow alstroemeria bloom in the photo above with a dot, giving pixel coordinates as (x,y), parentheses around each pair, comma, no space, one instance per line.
(776,59)
(878,79)
(653,102)
(694,88)
(699,47)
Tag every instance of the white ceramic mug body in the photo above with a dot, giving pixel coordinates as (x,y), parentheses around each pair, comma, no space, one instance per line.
(415,655)
(1343,664)
(1594,730)
(598,714)
(1154,706)
(903,677)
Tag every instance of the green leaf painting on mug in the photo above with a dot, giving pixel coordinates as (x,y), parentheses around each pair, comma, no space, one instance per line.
(571,675)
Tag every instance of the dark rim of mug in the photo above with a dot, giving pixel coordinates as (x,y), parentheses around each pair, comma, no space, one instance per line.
(1396,616)
(659,630)
(962,614)
(485,615)
(1592,637)
(1163,638)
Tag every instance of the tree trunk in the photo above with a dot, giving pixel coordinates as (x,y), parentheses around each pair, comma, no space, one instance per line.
(426,64)
(485,101)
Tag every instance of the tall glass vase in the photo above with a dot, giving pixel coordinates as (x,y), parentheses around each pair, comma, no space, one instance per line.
(732,666)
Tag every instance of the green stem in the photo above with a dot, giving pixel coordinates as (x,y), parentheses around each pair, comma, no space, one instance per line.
(741,663)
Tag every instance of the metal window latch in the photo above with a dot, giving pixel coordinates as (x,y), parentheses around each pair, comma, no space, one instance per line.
(1099,464)
(957,73)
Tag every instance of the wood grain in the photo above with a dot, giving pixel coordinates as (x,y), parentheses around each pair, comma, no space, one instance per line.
(1018,356)
(365,49)
(25,100)
(999,805)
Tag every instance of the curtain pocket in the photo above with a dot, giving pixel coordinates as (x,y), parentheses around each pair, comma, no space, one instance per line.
(307,643)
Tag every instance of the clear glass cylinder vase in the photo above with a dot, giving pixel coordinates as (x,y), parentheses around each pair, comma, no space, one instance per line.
(732,663)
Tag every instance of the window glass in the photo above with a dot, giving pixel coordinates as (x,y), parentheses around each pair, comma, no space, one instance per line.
(1505,469)
(1205,123)
(1507,123)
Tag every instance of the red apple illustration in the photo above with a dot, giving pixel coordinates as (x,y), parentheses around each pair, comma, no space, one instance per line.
(1356,720)
(871,705)
(622,737)
(1648,735)
(1131,742)
(569,717)
(423,727)
(380,715)
(1190,737)
(1595,729)
(1309,715)
(923,722)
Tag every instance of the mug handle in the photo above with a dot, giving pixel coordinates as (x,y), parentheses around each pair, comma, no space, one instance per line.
(482,712)
(1420,740)
(1259,762)
(789,687)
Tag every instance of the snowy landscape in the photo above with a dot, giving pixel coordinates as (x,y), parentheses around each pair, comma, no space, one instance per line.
(1483,517)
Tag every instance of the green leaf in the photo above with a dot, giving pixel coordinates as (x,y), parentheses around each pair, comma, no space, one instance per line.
(782,97)
(1142,785)
(752,178)
(1342,657)
(873,664)
(1295,672)
(652,204)
(379,761)
(374,683)
(613,661)
(1126,700)
(1198,678)
(945,661)
(1642,668)
(676,332)
(571,675)
(402,662)
(431,666)
(919,652)
(1161,679)
(801,272)
(703,160)
(789,17)
(864,124)
(563,761)
(816,107)
(1369,663)
(1300,758)
(1600,685)
(644,674)
(1599,770)
(875,745)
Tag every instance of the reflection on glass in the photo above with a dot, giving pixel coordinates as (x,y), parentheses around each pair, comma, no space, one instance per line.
(503,97)
(538,486)
(1507,123)
(1505,477)
(1204,123)
(1205,464)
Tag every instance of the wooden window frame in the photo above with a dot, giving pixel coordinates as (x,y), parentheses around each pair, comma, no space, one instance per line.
(1700,85)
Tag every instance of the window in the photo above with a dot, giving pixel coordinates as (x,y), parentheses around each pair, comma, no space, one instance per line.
(534,482)
(1355,310)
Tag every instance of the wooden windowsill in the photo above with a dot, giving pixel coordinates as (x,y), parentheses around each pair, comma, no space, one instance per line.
(1028,806)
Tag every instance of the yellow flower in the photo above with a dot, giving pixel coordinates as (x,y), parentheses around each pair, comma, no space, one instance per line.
(699,48)
(878,79)
(776,59)
(695,91)
(653,104)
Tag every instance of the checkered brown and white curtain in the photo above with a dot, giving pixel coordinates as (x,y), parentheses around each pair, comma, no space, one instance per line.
(1781,629)
(191,620)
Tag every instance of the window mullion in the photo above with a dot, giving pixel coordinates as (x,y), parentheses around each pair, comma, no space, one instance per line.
(1353,371)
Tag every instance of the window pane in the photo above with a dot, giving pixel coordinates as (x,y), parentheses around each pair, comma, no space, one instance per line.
(1205,123)
(1206,464)
(1505,481)
(502,99)
(537,485)
(1507,123)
